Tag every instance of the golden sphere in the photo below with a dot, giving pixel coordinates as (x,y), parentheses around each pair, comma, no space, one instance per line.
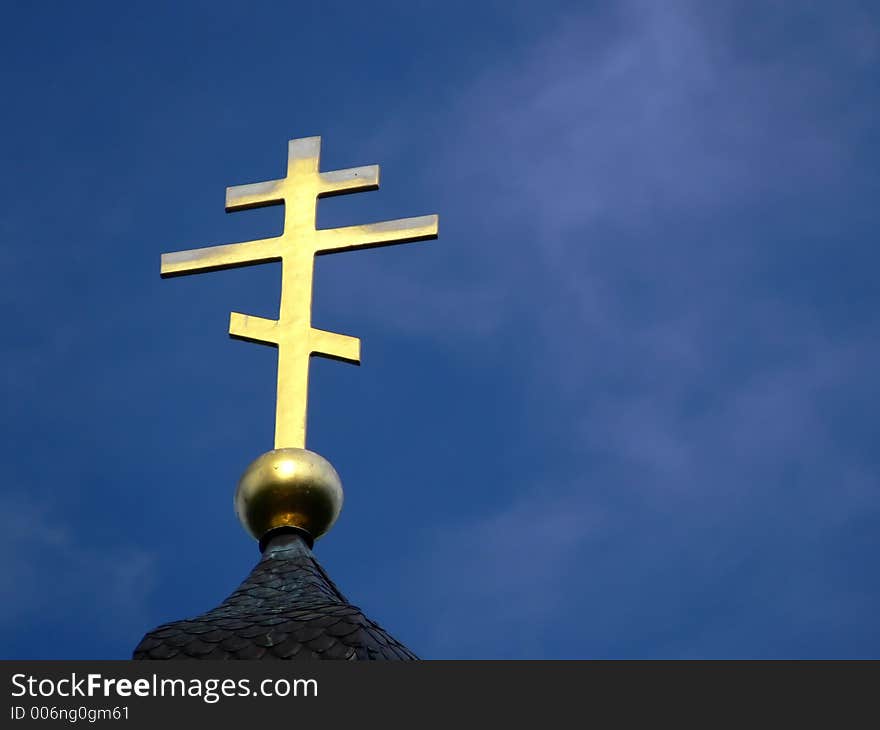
(289,488)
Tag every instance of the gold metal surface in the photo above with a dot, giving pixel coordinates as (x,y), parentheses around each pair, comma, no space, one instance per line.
(292,333)
(289,488)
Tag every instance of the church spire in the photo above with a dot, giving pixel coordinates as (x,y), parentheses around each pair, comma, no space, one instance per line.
(288,608)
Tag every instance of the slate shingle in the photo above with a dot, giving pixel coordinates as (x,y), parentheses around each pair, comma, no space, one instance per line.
(287,608)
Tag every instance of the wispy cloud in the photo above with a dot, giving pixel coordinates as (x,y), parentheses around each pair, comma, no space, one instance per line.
(640,165)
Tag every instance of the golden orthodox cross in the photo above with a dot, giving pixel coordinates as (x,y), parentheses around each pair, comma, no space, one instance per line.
(292,333)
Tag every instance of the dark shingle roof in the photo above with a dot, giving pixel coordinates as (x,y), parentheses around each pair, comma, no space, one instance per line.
(287,608)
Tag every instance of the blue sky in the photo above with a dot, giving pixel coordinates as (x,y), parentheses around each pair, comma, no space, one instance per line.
(625,406)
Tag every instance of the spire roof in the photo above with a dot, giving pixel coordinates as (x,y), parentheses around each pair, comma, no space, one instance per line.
(287,608)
